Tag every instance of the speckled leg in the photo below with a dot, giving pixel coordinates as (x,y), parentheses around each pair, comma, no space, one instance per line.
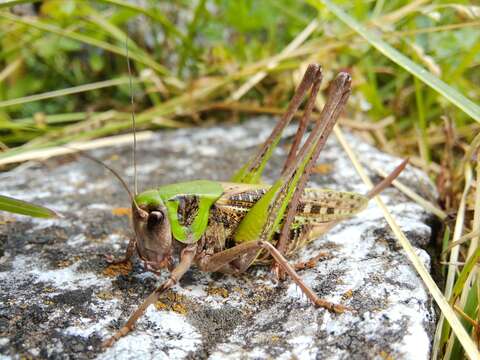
(252,170)
(219,260)
(308,154)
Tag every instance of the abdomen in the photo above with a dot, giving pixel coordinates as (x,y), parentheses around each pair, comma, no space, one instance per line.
(317,211)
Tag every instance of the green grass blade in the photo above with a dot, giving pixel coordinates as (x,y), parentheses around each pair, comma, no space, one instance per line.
(470,310)
(63,92)
(25,208)
(464,274)
(416,70)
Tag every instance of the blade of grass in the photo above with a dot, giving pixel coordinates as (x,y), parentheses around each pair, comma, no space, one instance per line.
(422,123)
(56,118)
(459,287)
(446,248)
(10,68)
(469,346)
(469,310)
(443,328)
(68,91)
(464,274)
(186,101)
(427,205)
(88,145)
(25,208)
(443,255)
(467,280)
(453,95)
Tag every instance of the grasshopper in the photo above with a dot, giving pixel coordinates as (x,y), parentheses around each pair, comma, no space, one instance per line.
(229,226)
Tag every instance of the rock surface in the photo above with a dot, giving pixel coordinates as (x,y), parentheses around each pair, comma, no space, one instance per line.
(59,299)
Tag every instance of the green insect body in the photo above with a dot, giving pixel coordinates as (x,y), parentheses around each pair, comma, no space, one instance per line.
(214,210)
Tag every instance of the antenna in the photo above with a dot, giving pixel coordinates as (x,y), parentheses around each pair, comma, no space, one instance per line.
(112,170)
(135,186)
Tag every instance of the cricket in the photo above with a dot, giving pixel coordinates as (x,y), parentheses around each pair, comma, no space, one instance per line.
(230,226)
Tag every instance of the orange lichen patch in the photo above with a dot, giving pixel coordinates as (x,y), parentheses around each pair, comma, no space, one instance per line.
(48,289)
(123,268)
(161,306)
(179,308)
(122,211)
(347,295)
(275,339)
(386,356)
(64,263)
(105,295)
(217,291)
(172,301)
(322,169)
(174,297)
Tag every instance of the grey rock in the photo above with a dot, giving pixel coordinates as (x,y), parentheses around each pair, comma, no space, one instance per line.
(56,300)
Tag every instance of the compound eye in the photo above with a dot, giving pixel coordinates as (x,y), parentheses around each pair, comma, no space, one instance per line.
(154,218)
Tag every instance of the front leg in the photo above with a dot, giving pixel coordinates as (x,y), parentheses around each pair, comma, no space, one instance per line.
(186,259)
(131,247)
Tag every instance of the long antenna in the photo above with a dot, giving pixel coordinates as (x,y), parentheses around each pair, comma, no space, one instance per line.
(135,186)
(109,168)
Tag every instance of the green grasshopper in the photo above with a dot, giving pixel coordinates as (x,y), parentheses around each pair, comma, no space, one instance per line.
(229,226)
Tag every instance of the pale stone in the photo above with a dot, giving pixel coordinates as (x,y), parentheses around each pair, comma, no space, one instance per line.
(56,302)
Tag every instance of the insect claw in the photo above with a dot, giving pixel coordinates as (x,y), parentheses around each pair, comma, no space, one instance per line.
(124,330)
(336,308)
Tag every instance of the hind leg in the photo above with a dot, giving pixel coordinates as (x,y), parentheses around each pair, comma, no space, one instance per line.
(242,253)
(251,172)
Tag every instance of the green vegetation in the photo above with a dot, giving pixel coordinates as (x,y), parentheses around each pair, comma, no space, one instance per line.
(415,67)
(25,208)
